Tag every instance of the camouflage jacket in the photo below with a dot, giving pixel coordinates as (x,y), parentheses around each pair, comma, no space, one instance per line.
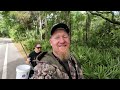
(49,68)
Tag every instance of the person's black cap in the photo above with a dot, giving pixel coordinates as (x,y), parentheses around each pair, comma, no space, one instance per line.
(59,25)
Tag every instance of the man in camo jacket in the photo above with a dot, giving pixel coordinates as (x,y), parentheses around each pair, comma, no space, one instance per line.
(58,63)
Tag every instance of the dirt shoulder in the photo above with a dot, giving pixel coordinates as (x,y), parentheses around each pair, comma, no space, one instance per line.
(20,49)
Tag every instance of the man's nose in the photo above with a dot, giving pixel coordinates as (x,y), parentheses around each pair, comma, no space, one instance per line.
(62,40)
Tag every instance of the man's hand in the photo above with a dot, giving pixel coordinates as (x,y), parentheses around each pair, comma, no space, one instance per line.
(28,61)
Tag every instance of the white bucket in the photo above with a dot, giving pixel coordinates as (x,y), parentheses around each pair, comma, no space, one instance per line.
(22,71)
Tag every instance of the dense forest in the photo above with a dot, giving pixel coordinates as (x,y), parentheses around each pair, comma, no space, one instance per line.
(95,36)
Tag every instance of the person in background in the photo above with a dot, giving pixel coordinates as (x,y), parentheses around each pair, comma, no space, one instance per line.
(32,56)
(58,63)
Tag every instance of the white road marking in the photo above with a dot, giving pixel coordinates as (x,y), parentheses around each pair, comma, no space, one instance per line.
(4,74)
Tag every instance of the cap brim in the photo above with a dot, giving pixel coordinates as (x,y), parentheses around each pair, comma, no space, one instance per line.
(60,25)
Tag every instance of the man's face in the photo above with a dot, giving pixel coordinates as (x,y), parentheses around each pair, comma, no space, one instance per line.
(60,42)
(38,48)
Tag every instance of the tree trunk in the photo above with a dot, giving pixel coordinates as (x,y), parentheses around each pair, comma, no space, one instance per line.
(68,22)
(87,27)
(40,27)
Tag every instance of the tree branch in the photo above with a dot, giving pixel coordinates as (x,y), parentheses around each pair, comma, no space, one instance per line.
(112,21)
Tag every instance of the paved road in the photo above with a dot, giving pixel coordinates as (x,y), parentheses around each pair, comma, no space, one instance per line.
(10,58)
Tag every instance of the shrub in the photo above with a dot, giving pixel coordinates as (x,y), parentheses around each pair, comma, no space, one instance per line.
(98,64)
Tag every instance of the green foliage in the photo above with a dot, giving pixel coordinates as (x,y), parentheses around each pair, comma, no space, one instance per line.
(29,44)
(4,33)
(98,64)
(78,21)
(3,28)
(17,33)
(45,45)
(96,48)
(13,33)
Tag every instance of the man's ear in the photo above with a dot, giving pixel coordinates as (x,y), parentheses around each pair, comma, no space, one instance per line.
(50,42)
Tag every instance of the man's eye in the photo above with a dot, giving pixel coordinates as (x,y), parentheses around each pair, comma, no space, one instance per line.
(65,37)
(56,37)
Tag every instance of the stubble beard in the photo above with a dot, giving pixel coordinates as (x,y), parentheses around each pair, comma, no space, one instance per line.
(63,55)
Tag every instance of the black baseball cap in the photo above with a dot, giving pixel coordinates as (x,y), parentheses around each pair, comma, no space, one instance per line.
(59,25)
